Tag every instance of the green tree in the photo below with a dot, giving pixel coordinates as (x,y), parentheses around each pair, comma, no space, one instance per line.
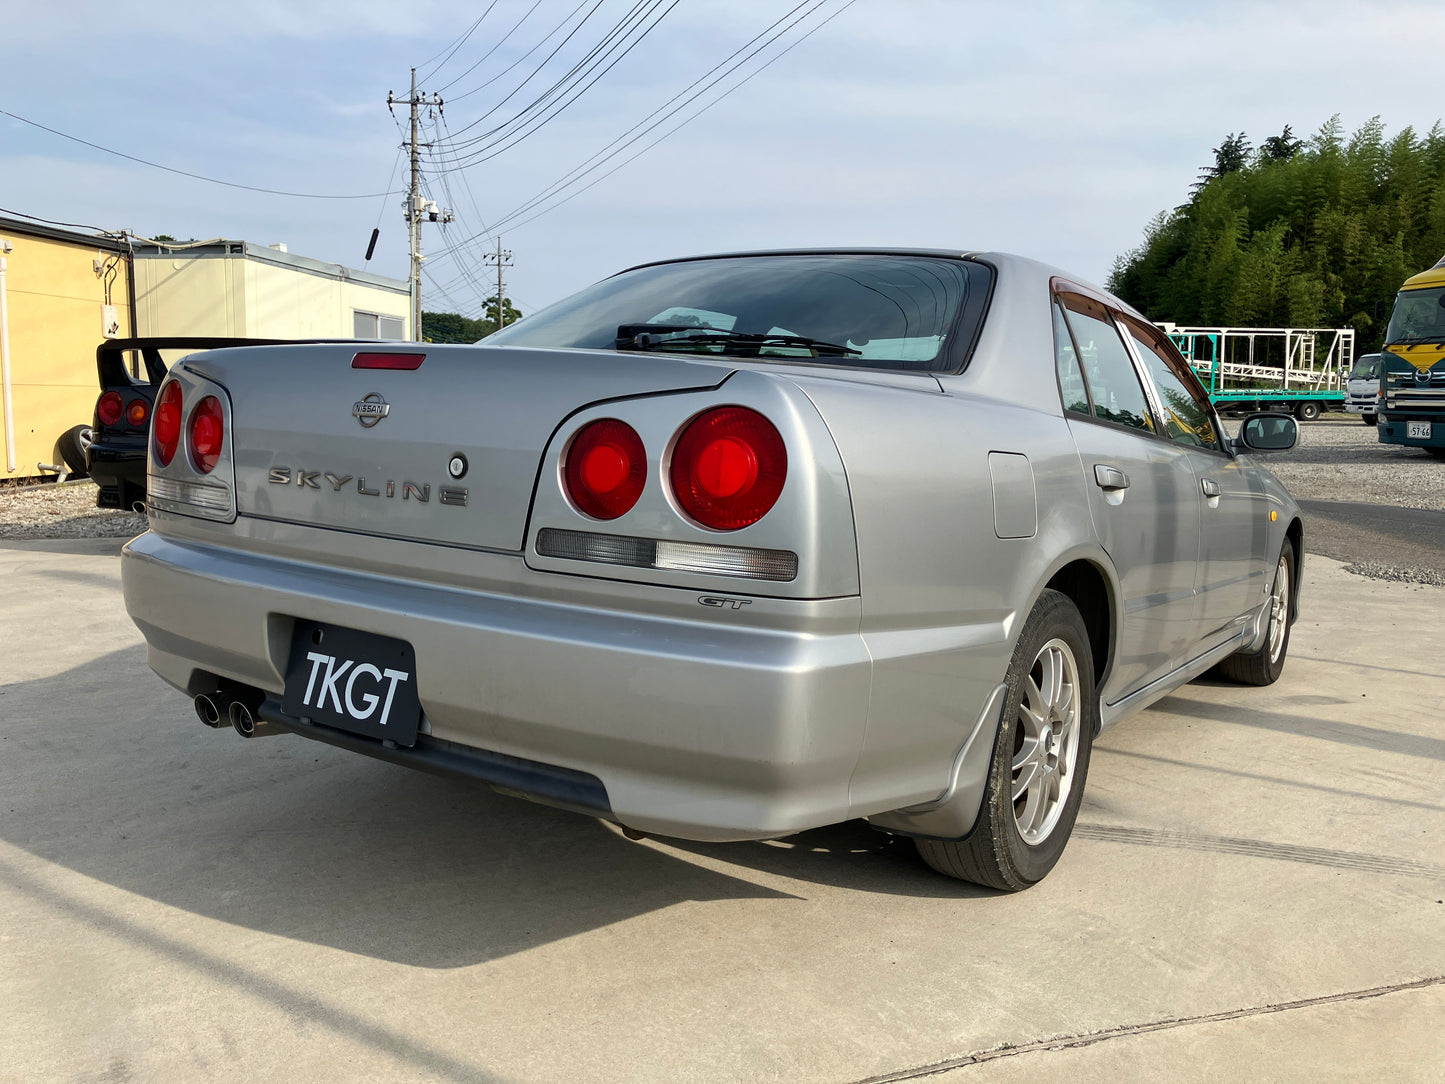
(508,310)
(453,327)
(1298,233)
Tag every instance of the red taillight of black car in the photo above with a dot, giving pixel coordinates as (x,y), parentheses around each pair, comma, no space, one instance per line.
(605,469)
(166,430)
(108,410)
(728,468)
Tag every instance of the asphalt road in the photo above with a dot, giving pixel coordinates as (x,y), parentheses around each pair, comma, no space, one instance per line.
(1392,543)
(1254,891)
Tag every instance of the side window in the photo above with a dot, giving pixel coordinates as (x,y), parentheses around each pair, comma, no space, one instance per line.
(1113,384)
(1071,376)
(1187,417)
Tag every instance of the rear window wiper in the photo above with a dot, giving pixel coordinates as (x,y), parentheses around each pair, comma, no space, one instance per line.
(653,336)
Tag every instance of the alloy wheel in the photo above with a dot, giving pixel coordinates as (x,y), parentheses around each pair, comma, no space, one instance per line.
(1046,741)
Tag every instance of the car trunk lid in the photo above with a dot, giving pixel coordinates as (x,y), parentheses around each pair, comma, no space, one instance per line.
(446,452)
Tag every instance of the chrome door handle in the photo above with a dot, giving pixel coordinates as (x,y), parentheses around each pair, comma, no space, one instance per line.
(1211,487)
(1110,477)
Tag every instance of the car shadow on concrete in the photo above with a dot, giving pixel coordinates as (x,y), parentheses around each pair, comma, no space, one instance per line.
(106,771)
(1367,737)
(853,856)
(108,546)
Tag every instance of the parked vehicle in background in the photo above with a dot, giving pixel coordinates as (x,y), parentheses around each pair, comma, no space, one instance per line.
(1294,370)
(727,548)
(1412,386)
(131,371)
(1362,388)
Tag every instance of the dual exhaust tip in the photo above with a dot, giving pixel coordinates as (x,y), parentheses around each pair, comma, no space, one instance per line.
(236,710)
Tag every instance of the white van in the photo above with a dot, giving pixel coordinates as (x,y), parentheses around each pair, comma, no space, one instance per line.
(1362,387)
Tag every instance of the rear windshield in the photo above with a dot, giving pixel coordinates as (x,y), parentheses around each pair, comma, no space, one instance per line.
(874,311)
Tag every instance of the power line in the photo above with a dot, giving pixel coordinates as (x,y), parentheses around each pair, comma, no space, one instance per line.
(457,44)
(523,125)
(540,67)
(511,218)
(679,102)
(187,173)
(621,142)
(504,39)
(53,222)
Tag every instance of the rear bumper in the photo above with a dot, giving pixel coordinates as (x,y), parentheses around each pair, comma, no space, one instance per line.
(118,467)
(693,727)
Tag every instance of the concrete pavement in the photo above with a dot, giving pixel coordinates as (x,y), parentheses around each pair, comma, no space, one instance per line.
(1253,892)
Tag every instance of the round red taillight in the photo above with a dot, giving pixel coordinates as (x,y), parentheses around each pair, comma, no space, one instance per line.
(728,468)
(606,469)
(208,434)
(137,412)
(108,409)
(167,427)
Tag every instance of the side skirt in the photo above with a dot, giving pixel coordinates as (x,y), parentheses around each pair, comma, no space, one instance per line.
(1109,714)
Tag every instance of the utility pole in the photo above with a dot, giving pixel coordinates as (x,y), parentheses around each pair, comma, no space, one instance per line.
(502,258)
(417,208)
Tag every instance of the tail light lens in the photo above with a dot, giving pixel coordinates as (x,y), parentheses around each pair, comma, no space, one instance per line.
(167,427)
(208,434)
(728,468)
(606,469)
(136,413)
(108,409)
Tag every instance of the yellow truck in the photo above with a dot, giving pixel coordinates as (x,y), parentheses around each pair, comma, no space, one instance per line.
(1412,377)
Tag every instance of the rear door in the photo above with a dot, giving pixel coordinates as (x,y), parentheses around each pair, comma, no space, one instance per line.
(1142,493)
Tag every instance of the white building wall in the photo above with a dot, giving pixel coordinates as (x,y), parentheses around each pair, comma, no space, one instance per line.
(250,292)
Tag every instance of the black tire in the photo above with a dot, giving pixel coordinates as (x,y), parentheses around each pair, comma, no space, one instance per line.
(1307,412)
(72,446)
(997,854)
(1368,419)
(1438,453)
(1263,667)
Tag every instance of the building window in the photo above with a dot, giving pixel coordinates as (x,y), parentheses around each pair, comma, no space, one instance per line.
(374,325)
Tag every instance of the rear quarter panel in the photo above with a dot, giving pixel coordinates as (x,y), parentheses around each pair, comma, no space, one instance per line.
(943,596)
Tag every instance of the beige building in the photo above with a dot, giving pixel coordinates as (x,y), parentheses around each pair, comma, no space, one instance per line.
(62,292)
(245,290)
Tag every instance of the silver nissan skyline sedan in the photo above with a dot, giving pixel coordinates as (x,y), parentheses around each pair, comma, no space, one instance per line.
(727,548)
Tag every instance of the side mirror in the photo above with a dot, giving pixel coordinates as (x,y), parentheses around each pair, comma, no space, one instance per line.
(1266,433)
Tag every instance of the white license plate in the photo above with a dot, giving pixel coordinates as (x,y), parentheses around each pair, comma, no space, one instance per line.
(1417,430)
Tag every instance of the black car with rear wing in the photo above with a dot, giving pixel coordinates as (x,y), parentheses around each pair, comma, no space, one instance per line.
(131,371)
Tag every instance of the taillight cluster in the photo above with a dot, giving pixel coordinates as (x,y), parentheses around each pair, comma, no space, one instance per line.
(207,429)
(727,468)
(111,408)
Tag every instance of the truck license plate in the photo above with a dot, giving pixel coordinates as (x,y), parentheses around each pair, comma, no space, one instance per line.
(352,680)
(1417,430)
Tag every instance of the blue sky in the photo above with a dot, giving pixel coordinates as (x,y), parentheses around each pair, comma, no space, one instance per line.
(1055,130)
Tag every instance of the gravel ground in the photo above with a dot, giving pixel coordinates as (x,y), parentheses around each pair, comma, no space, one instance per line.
(1344,461)
(62,511)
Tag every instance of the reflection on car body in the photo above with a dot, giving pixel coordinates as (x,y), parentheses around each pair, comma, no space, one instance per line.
(752,544)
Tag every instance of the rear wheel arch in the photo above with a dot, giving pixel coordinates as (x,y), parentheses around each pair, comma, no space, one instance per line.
(1087,586)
